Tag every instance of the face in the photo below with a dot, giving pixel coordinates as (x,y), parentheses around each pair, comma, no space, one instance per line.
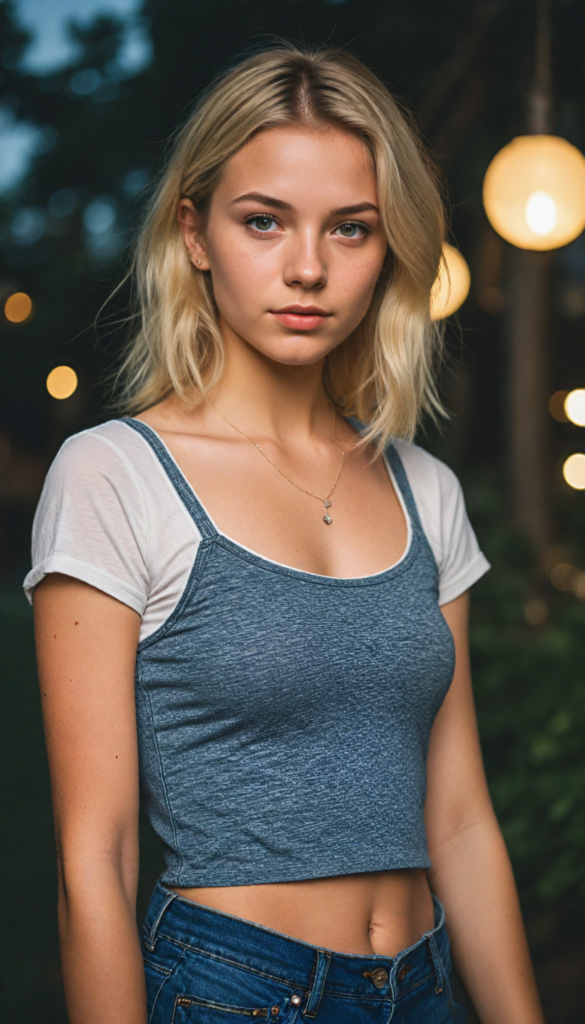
(293,242)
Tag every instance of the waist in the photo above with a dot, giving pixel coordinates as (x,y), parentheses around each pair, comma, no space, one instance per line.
(177,927)
(379,912)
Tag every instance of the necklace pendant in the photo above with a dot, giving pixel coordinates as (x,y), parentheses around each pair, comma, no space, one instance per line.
(327,503)
(327,519)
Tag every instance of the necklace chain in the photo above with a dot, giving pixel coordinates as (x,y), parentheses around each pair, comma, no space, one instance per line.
(326,500)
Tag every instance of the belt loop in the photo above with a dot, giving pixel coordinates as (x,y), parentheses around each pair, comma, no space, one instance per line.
(317,983)
(437,963)
(166,903)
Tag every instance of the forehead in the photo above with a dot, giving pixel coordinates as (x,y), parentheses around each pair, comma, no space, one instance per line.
(302,165)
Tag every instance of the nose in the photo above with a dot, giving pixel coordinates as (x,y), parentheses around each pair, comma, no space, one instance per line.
(305,264)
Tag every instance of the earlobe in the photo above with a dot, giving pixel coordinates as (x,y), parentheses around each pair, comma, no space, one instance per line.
(197,257)
(200,261)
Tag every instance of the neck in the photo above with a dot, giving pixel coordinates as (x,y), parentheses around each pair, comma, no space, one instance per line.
(268,398)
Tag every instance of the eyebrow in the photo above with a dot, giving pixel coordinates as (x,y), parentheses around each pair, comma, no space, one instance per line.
(257,197)
(279,204)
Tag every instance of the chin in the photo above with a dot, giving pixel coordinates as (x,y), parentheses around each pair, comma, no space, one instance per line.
(296,350)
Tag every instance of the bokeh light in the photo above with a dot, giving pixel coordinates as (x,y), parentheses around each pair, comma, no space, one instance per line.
(536,611)
(574,471)
(62,382)
(575,406)
(567,577)
(451,287)
(564,576)
(18,307)
(534,192)
(556,406)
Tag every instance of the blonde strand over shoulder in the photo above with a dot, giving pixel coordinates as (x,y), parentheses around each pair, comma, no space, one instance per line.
(385,372)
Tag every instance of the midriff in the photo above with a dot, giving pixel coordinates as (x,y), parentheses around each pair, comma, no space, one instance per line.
(380,912)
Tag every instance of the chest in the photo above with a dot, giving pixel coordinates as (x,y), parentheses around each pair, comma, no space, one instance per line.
(267,649)
(259,508)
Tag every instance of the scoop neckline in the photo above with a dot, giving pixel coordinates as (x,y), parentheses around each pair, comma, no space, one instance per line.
(256,557)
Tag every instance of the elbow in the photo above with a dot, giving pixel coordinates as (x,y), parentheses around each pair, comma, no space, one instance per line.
(467,840)
(90,873)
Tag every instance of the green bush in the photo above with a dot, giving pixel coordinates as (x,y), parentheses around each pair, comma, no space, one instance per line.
(530,692)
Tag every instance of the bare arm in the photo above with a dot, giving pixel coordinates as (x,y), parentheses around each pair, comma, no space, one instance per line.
(471,871)
(86,650)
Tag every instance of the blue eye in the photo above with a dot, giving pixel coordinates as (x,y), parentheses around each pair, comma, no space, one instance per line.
(262,222)
(351,230)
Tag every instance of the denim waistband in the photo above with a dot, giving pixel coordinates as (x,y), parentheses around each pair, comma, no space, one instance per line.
(309,968)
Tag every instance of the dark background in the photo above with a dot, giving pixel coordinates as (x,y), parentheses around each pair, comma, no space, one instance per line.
(464,67)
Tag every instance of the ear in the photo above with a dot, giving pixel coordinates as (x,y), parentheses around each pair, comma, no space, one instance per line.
(190,224)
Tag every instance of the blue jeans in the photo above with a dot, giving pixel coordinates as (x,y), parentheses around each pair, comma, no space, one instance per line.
(205,967)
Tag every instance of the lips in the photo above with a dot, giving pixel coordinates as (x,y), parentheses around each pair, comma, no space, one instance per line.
(301,318)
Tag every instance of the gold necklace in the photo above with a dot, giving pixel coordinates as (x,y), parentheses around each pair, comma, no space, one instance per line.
(326,501)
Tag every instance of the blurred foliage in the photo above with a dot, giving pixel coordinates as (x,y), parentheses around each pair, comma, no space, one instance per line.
(530,690)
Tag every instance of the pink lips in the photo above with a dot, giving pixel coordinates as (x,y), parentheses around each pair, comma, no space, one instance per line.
(301,318)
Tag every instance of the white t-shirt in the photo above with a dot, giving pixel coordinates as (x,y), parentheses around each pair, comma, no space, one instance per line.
(109,515)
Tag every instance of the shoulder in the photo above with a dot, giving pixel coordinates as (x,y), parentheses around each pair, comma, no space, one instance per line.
(107,445)
(97,483)
(427,475)
(110,459)
(440,504)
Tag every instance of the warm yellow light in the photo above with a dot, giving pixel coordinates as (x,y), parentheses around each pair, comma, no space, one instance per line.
(534,192)
(575,406)
(18,307)
(451,287)
(61,382)
(556,406)
(574,471)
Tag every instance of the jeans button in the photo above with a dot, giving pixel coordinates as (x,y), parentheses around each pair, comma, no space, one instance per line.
(380,977)
(403,972)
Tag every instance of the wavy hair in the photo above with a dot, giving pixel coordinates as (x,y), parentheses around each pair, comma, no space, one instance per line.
(384,373)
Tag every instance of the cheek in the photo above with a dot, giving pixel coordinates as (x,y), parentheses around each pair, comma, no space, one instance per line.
(355,283)
(242,278)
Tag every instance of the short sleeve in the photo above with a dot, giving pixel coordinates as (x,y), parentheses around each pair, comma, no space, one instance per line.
(90,522)
(461,563)
(441,507)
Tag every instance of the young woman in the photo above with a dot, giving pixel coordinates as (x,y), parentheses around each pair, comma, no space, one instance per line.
(257,605)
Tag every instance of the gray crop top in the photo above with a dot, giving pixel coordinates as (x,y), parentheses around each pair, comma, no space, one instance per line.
(284,717)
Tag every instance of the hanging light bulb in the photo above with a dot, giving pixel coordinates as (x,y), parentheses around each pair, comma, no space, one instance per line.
(451,286)
(534,192)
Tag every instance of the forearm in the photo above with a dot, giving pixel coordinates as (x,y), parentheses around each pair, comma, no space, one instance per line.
(473,878)
(102,966)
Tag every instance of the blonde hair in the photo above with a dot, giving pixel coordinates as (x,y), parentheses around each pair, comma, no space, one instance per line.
(384,372)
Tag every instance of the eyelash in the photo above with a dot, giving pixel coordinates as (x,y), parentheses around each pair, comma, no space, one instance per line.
(355,224)
(256,216)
